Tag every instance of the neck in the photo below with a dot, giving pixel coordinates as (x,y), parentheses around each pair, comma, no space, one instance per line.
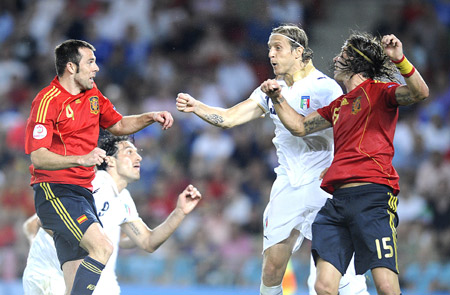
(69,85)
(119,181)
(305,70)
(354,82)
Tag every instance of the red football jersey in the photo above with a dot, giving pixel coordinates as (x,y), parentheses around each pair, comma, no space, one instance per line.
(364,123)
(67,125)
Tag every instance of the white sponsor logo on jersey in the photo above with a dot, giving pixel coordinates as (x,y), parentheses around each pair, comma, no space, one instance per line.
(39,131)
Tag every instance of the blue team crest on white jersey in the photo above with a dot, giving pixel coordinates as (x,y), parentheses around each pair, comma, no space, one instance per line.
(305,102)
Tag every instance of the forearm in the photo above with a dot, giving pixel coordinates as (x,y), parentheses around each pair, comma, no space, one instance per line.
(47,160)
(293,121)
(417,87)
(162,232)
(213,115)
(149,240)
(132,124)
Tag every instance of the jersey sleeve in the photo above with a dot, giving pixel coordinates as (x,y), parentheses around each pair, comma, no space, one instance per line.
(389,94)
(327,111)
(40,123)
(326,90)
(108,113)
(130,207)
(261,99)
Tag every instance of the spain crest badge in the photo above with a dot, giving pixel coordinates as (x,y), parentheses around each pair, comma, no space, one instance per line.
(94,106)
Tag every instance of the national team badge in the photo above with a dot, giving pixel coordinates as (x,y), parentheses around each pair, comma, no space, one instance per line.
(304,102)
(82,219)
(356,106)
(95,108)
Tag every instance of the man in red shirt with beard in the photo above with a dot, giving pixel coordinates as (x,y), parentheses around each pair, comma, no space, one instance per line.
(61,137)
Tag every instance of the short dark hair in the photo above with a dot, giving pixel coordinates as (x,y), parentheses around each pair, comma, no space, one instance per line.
(366,56)
(110,144)
(68,51)
(299,35)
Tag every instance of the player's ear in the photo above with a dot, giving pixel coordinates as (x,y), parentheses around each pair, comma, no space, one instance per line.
(110,161)
(299,52)
(71,67)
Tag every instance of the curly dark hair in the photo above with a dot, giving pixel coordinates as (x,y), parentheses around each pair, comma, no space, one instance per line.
(294,32)
(110,143)
(366,56)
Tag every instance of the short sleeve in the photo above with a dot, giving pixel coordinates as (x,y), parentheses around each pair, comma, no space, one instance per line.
(389,94)
(326,90)
(327,111)
(40,125)
(261,99)
(130,207)
(108,113)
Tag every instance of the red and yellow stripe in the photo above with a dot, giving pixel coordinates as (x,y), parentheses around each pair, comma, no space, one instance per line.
(43,105)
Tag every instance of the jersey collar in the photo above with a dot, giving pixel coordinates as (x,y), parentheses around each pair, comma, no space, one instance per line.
(299,75)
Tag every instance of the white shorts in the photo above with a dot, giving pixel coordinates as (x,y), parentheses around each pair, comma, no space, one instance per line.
(350,284)
(291,208)
(37,281)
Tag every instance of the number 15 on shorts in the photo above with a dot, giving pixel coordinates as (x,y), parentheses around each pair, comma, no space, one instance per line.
(387,249)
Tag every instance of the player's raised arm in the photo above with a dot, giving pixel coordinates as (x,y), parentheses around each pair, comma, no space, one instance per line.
(415,89)
(225,118)
(297,124)
(150,240)
(132,124)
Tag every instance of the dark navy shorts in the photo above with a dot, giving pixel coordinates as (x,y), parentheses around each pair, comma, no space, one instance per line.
(67,210)
(360,220)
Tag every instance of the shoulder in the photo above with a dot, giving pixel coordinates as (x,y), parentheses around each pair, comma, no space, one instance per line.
(376,84)
(103,185)
(321,80)
(324,88)
(48,94)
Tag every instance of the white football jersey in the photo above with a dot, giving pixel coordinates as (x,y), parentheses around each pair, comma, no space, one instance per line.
(302,158)
(114,209)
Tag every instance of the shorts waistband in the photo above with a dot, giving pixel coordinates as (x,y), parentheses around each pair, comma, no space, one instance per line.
(366,188)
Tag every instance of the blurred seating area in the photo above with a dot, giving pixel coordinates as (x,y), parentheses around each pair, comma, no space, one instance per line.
(216,50)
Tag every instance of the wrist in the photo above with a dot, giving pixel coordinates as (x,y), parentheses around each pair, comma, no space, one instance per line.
(278,99)
(179,212)
(404,66)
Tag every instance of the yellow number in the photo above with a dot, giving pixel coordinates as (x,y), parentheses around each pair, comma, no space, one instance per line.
(335,115)
(386,247)
(69,112)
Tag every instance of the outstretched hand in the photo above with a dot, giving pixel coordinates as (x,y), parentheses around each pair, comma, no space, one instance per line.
(392,47)
(186,103)
(188,199)
(164,118)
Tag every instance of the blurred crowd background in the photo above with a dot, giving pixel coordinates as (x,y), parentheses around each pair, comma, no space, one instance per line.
(216,50)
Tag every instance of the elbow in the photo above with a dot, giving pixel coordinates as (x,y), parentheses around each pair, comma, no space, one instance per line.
(37,163)
(151,248)
(424,93)
(421,94)
(298,133)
